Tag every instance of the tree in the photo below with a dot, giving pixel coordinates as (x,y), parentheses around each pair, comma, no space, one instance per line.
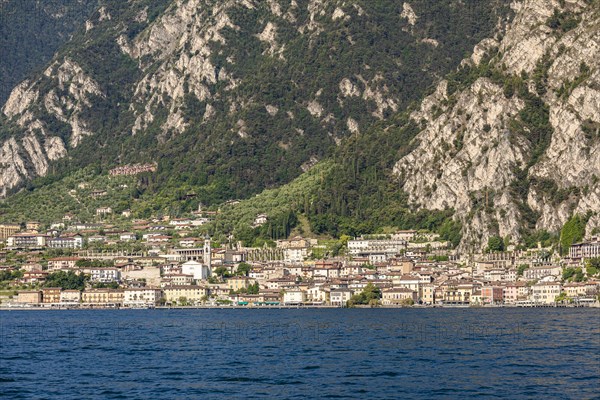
(109,285)
(562,297)
(407,302)
(495,243)
(253,288)
(593,266)
(183,301)
(573,274)
(66,280)
(450,230)
(7,275)
(243,269)
(222,272)
(370,295)
(521,269)
(572,231)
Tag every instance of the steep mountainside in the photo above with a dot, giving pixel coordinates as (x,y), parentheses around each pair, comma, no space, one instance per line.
(229,97)
(511,141)
(31,31)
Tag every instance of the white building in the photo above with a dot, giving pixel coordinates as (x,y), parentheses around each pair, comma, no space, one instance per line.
(127,237)
(105,275)
(376,250)
(542,272)
(545,292)
(26,240)
(317,294)
(62,263)
(141,297)
(405,235)
(260,219)
(103,211)
(292,297)
(197,270)
(69,242)
(70,296)
(295,254)
(340,297)
(589,249)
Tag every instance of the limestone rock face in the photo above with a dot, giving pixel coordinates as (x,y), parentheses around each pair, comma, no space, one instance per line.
(267,80)
(468,152)
(30,155)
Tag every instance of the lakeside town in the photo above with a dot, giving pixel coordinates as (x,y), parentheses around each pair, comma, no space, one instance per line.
(167,263)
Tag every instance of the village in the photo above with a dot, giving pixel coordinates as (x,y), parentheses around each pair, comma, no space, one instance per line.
(166,263)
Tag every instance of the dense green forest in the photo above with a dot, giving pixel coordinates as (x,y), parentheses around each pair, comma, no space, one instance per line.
(210,158)
(351,192)
(31,31)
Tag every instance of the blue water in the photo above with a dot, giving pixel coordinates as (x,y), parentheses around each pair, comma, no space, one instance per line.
(341,353)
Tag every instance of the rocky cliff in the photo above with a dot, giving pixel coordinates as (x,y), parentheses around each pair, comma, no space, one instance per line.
(512,140)
(229,96)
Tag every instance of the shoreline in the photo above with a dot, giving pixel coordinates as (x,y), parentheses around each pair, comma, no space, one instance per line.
(292,307)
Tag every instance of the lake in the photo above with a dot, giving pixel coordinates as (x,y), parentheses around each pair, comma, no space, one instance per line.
(286,354)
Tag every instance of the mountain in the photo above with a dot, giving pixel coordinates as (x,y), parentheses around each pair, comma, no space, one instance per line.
(475,119)
(511,141)
(31,31)
(229,98)
(505,146)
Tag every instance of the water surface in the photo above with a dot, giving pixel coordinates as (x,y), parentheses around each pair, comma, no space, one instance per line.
(287,354)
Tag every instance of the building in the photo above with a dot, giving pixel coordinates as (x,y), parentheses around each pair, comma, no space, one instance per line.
(67,242)
(295,254)
(456,292)
(178,279)
(127,237)
(377,250)
(340,297)
(404,265)
(62,263)
(141,297)
(409,282)
(542,272)
(105,275)
(515,291)
(260,219)
(406,235)
(317,294)
(103,211)
(588,249)
(133,169)
(51,295)
(32,226)
(26,241)
(238,282)
(29,296)
(103,297)
(192,294)
(545,292)
(70,296)
(7,230)
(398,296)
(293,297)
(34,276)
(492,294)
(190,242)
(428,293)
(96,239)
(197,270)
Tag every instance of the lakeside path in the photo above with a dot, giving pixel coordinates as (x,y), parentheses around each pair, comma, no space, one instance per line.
(291,307)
